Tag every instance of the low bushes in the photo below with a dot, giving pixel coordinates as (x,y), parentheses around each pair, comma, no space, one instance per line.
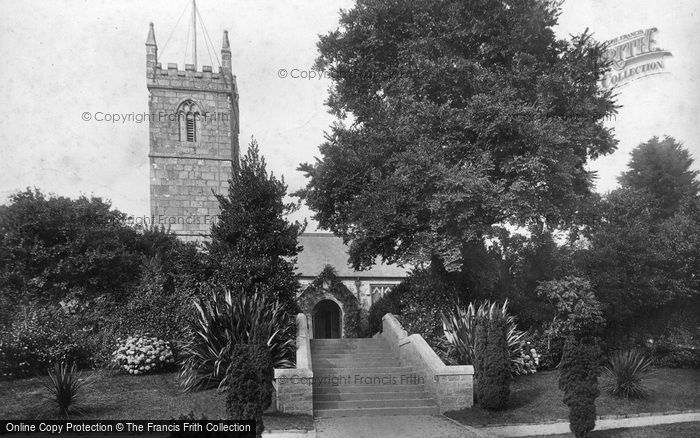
(670,355)
(44,337)
(143,355)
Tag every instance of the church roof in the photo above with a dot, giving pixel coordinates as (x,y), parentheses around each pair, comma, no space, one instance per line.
(321,249)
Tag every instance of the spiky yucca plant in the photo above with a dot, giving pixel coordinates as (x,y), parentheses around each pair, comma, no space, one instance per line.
(624,373)
(460,330)
(221,322)
(64,385)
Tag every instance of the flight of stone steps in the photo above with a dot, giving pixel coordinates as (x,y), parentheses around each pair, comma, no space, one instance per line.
(362,377)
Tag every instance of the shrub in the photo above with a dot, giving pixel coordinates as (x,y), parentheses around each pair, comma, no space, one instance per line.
(625,371)
(64,385)
(668,354)
(156,306)
(221,323)
(492,362)
(418,301)
(386,304)
(247,392)
(44,337)
(549,346)
(577,308)
(143,355)
(530,359)
(578,379)
(459,326)
(680,357)
(262,360)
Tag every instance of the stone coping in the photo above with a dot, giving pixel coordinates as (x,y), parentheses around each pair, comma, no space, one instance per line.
(427,354)
(303,344)
(292,372)
(303,353)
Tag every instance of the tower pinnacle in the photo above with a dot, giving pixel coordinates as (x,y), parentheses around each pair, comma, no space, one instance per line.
(151,39)
(226,46)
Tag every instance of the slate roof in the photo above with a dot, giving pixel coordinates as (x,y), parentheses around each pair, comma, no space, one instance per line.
(321,249)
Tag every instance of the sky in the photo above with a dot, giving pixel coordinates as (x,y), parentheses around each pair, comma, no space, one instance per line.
(62,59)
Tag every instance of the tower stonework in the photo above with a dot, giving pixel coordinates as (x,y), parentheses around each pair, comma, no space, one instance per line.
(193,130)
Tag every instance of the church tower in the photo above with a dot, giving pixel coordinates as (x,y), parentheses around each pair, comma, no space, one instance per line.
(193,140)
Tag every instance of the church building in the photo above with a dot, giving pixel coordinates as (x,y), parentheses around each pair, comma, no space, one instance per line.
(194,147)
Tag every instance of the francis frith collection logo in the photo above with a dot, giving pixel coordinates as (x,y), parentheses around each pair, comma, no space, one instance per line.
(634,56)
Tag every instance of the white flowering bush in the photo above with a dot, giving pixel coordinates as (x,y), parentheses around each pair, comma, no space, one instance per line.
(530,359)
(143,355)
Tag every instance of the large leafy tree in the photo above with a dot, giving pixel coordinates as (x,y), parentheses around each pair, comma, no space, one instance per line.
(664,169)
(644,248)
(253,244)
(53,248)
(454,116)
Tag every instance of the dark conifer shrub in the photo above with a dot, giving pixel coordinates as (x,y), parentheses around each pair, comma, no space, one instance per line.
(246,391)
(492,362)
(578,378)
(262,361)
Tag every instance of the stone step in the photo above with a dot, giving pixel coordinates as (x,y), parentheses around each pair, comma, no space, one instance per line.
(336,341)
(364,354)
(325,389)
(372,348)
(363,404)
(352,362)
(372,412)
(388,395)
(347,353)
(382,370)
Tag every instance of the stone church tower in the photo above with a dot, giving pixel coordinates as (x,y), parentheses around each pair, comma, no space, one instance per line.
(193,140)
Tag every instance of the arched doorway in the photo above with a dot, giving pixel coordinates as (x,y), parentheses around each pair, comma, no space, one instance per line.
(326,320)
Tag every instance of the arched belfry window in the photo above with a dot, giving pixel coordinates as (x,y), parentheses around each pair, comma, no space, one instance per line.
(188,114)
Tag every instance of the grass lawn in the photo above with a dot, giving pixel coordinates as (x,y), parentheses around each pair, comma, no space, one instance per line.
(676,430)
(536,398)
(124,397)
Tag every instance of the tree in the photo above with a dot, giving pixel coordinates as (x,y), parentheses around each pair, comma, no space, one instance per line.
(577,310)
(53,248)
(640,260)
(579,319)
(662,168)
(253,245)
(453,116)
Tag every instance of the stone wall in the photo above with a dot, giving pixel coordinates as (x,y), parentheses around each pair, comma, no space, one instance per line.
(452,387)
(293,386)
